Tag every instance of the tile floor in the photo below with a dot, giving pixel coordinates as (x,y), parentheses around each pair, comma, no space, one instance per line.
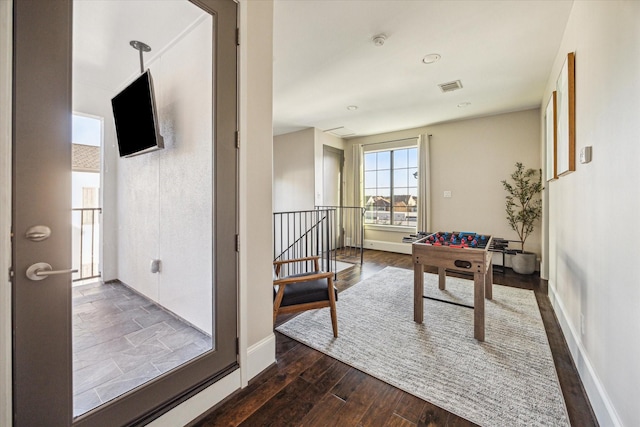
(122,340)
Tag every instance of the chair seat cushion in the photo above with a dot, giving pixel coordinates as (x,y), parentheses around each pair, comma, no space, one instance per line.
(306,292)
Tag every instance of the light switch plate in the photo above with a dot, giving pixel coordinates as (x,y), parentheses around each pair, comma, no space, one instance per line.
(585,154)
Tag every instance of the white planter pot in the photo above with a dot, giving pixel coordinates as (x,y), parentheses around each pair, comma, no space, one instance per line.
(524,263)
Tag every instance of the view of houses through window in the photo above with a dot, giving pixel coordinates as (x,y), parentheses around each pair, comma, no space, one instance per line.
(391,186)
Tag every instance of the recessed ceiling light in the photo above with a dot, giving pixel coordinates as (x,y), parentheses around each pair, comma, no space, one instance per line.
(431,58)
(352,107)
(464,104)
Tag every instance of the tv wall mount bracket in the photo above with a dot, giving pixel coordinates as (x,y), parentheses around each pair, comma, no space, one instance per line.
(141,48)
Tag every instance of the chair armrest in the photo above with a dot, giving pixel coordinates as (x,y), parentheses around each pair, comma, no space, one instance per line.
(288,261)
(279,264)
(302,279)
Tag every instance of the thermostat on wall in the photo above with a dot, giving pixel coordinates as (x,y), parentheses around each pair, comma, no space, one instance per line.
(585,154)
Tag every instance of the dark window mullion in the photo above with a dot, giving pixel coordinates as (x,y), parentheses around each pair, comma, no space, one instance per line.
(391,184)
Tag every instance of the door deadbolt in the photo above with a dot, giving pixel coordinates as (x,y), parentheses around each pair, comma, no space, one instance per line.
(38,233)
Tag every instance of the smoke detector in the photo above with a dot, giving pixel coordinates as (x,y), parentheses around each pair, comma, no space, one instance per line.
(379,39)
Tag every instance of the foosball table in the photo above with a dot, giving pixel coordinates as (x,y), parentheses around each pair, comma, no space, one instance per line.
(466,252)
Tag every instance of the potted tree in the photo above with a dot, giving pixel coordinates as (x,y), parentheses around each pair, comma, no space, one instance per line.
(524,208)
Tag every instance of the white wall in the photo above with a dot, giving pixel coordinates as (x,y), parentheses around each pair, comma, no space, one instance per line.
(294,171)
(157,217)
(297,168)
(257,341)
(468,158)
(594,212)
(320,140)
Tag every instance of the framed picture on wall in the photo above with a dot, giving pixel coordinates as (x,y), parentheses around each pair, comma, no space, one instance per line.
(566,117)
(550,128)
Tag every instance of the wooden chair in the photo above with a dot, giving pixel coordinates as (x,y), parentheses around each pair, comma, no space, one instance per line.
(304,291)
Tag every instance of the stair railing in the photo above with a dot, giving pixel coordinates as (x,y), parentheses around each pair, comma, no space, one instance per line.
(348,244)
(300,234)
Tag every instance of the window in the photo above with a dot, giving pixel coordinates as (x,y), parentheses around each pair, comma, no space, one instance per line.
(391,187)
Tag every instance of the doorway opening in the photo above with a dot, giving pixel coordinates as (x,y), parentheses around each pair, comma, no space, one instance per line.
(86,208)
(150,213)
(143,294)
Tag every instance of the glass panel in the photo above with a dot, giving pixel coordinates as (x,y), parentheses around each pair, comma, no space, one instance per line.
(400,178)
(86,130)
(384,160)
(384,192)
(370,161)
(384,178)
(400,159)
(151,310)
(399,205)
(413,176)
(412,154)
(370,179)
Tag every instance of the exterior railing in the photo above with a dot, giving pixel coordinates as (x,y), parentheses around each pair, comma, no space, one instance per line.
(86,241)
(300,234)
(348,244)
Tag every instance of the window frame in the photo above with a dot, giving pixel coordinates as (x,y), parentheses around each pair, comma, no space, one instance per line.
(390,148)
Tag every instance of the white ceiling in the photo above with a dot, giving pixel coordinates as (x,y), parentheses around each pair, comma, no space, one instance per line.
(102,30)
(325,60)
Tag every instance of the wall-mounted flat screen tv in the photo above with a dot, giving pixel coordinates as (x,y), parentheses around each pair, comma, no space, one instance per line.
(134,112)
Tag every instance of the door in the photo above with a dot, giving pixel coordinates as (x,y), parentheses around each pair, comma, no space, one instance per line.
(41,315)
(332,163)
(41,196)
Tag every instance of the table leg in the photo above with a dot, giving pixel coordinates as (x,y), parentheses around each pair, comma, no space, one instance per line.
(418,292)
(488,282)
(442,277)
(478,303)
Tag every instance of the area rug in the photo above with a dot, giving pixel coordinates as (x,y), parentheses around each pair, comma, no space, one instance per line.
(508,380)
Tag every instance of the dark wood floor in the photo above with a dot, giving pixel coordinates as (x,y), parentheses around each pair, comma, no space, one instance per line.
(306,387)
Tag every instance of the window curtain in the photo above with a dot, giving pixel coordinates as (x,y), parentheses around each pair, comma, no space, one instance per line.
(357,175)
(424,183)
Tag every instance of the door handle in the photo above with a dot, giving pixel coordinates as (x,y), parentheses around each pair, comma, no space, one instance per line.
(42,270)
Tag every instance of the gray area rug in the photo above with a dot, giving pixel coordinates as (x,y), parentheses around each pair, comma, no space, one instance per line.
(508,380)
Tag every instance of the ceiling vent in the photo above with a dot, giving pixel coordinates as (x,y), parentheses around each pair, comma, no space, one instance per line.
(341,132)
(451,86)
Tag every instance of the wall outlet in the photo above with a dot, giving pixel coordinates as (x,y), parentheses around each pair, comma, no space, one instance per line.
(155,266)
(585,154)
(447,194)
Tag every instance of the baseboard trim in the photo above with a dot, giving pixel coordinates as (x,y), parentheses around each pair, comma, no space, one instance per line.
(260,356)
(380,245)
(598,397)
(200,403)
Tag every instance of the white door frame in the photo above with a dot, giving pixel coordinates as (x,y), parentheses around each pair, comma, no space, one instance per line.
(6,50)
